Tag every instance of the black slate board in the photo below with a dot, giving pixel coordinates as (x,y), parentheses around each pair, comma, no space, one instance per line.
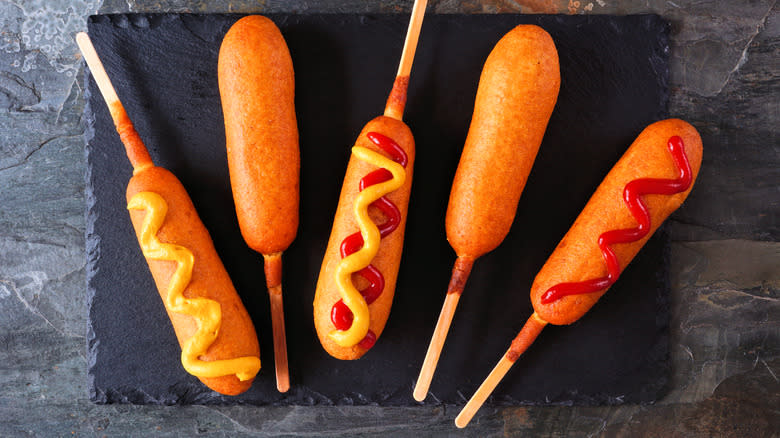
(614,72)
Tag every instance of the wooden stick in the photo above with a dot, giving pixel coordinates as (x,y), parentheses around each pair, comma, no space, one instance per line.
(97,69)
(412,35)
(520,344)
(273,278)
(280,343)
(435,347)
(484,391)
(136,151)
(460,273)
(397,99)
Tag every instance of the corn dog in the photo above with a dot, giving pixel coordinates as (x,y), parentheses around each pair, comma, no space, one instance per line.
(333,315)
(517,92)
(257,87)
(357,280)
(217,337)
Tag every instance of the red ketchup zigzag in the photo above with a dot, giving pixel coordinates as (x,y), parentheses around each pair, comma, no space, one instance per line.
(632,196)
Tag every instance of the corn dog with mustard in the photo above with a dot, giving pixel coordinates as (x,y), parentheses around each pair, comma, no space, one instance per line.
(359,270)
(217,337)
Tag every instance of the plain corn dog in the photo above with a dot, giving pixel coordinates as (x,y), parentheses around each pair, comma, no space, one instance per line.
(257,87)
(517,92)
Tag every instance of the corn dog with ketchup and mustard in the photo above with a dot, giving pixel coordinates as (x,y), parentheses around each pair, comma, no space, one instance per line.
(217,337)
(358,275)
(517,92)
(649,182)
(257,87)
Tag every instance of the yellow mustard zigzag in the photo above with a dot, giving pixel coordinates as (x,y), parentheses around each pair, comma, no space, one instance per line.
(362,258)
(206,312)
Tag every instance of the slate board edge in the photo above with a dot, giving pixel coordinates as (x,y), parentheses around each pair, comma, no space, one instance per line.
(92,240)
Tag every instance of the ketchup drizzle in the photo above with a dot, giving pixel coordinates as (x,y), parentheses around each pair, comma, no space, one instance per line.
(340,314)
(632,196)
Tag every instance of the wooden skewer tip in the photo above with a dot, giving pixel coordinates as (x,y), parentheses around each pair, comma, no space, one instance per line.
(412,36)
(436,346)
(483,392)
(280,343)
(460,274)
(397,99)
(96,67)
(134,147)
(273,278)
(520,344)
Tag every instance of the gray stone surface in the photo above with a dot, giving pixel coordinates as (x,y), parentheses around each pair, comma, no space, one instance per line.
(725,285)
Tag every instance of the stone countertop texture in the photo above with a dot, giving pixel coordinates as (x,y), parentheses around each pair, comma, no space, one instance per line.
(725,321)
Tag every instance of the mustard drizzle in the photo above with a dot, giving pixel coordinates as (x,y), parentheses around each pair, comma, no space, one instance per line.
(206,312)
(371,238)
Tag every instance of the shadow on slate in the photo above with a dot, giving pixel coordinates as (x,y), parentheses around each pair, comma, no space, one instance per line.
(614,72)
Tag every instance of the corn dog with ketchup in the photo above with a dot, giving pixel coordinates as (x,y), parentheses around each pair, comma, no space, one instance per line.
(217,337)
(647,184)
(517,92)
(257,87)
(358,275)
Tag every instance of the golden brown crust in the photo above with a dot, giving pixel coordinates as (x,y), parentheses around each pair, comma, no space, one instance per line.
(460,274)
(517,92)
(396,101)
(134,147)
(272,265)
(648,157)
(182,226)
(257,86)
(387,259)
(526,337)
